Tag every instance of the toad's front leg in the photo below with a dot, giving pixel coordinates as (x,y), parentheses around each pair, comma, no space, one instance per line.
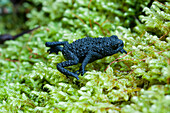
(90,57)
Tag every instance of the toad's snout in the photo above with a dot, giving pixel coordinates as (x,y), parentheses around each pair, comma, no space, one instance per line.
(121,45)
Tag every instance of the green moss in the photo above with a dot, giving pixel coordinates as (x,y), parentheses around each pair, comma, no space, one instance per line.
(137,82)
(156,20)
(152,100)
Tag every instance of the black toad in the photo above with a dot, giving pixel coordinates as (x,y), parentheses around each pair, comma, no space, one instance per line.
(85,50)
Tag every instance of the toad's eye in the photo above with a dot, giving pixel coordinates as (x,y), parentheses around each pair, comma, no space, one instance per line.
(115,46)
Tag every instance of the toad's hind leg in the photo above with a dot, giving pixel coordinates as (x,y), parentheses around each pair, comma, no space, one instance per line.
(55,49)
(73,60)
(51,44)
(55,46)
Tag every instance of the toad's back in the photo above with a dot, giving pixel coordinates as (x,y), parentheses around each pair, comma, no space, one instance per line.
(82,46)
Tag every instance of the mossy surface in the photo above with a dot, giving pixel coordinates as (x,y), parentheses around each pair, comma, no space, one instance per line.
(134,83)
